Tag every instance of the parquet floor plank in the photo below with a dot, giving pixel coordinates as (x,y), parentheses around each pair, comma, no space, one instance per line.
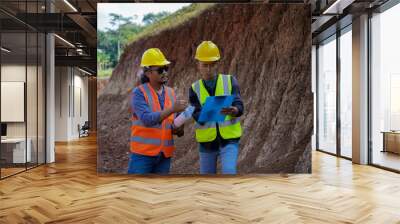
(70,191)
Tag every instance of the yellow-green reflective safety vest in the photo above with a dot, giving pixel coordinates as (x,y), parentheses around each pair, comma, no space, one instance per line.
(228,129)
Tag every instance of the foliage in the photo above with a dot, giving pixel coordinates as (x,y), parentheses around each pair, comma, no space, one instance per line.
(172,20)
(104,73)
(112,41)
(153,17)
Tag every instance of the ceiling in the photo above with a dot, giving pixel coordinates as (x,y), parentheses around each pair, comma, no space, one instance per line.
(74,22)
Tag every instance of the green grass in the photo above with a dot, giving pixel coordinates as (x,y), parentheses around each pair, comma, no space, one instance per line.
(104,73)
(172,20)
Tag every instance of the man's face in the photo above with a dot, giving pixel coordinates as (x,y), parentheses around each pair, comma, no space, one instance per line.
(158,74)
(207,68)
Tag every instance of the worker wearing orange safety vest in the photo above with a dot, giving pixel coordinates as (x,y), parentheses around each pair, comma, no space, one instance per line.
(153,106)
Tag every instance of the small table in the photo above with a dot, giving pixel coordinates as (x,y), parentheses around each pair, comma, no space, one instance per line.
(391,141)
(18,149)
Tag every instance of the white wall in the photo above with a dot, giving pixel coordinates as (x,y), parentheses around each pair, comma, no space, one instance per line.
(13,101)
(33,127)
(314,90)
(71,94)
(15,72)
(81,102)
(61,103)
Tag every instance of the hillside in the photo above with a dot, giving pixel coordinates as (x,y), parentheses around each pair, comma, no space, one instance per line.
(266,47)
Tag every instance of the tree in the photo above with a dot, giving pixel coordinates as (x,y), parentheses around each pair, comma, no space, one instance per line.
(150,18)
(107,42)
(118,20)
(113,39)
(103,59)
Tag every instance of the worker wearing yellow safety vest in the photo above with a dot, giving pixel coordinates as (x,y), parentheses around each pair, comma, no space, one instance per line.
(216,139)
(153,109)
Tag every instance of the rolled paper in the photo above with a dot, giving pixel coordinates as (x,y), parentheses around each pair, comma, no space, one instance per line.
(184,116)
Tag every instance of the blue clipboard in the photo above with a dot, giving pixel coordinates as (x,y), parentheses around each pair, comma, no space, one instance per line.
(211,110)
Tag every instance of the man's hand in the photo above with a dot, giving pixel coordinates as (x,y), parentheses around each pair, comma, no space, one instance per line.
(178,131)
(179,106)
(233,111)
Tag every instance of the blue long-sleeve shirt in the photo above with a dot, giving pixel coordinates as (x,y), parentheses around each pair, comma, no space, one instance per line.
(143,111)
(210,85)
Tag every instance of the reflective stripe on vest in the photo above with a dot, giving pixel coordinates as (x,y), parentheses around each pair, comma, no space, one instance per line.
(205,126)
(170,95)
(226,123)
(151,97)
(228,129)
(141,124)
(150,140)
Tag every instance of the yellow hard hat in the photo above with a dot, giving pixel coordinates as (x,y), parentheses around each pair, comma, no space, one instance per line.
(153,57)
(207,51)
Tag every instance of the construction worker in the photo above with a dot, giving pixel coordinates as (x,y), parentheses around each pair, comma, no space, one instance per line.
(153,106)
(216,139)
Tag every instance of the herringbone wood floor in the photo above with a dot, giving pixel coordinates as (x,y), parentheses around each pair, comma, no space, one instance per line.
(70,191)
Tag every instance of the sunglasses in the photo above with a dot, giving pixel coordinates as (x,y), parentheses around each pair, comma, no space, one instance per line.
(160,70)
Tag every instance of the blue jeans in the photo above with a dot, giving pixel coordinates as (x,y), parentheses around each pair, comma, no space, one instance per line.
(228,156)
(142,164)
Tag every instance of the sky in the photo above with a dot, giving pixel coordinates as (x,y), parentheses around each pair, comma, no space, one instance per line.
(131,9)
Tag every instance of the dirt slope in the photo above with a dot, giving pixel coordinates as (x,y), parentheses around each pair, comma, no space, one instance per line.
(267,47)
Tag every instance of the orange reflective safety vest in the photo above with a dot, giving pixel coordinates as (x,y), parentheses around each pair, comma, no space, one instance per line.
(150,141)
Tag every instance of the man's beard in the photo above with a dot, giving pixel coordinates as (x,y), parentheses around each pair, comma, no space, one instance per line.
(164,80)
